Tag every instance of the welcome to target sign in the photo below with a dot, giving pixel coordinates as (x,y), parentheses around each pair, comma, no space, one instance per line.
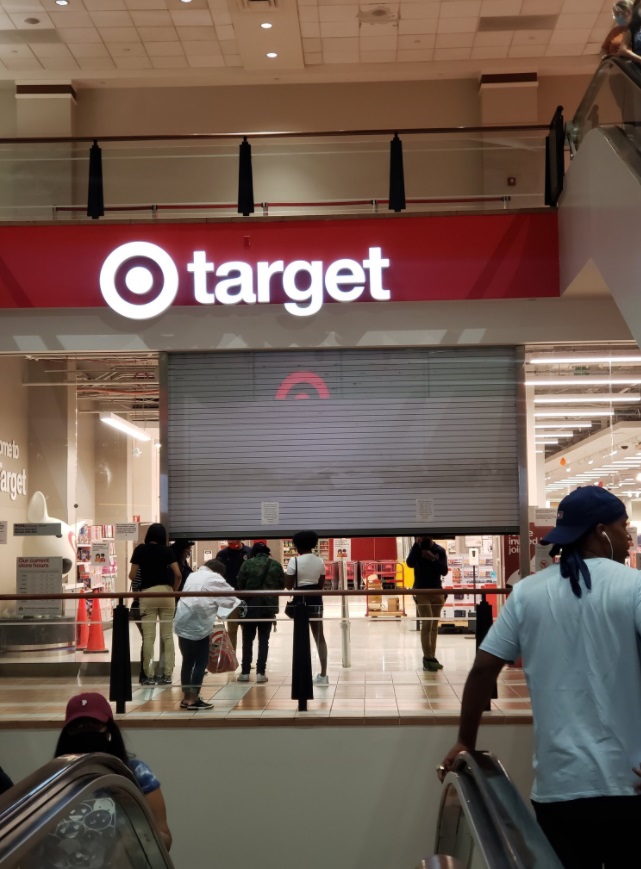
(142,271)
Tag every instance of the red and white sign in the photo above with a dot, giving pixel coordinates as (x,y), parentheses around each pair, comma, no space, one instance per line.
(140,270)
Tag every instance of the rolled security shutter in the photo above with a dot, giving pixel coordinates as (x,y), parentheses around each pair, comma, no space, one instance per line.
(361,441)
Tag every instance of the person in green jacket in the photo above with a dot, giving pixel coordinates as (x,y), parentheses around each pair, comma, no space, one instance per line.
(258,572)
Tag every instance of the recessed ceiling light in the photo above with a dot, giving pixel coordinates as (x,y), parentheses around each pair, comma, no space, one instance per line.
(185,1)
(62,2)
(271,54)
(266,25)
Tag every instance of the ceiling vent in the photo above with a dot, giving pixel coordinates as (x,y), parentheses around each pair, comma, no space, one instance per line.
(258,5)
(379,13)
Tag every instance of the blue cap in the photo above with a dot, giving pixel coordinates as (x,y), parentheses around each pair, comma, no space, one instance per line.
(582,510)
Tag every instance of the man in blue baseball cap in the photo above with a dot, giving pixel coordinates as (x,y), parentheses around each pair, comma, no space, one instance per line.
(577,625)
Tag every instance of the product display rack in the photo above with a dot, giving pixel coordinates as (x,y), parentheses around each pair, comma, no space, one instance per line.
(383,575)
(459,608)
(97,577)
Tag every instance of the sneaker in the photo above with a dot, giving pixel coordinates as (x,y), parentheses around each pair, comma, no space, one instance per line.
(436,664)
(165,680)
(243,677)
(261,677)
(431,665)
(321,680)
(200,704)
(149,681)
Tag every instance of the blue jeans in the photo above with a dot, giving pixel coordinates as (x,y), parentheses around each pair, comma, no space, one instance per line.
(195,656)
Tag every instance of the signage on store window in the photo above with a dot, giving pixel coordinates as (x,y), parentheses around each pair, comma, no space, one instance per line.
(13,483)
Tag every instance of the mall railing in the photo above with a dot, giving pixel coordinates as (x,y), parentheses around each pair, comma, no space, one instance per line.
(83,810)
(207,176)
(484,821)
(120,670)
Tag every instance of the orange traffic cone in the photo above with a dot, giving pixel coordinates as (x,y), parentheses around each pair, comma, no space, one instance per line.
(82,626)
(96,640)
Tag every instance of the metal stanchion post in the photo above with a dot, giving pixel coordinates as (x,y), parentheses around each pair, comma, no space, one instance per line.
(346,645)
(302,686)
(120,669)
(484,619)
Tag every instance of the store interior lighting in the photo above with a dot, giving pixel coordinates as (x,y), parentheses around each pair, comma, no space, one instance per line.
(122,425)
(586,399)
(555,414)
(585,381)
(573,425)
(584,360)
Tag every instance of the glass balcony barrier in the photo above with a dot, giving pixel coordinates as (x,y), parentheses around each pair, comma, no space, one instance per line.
(197,178)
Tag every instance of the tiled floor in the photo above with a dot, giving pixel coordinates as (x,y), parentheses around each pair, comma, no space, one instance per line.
(384,684)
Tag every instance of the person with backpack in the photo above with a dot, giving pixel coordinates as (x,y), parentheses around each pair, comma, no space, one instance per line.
(259,572)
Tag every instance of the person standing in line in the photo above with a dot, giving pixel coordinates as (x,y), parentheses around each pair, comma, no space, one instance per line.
(194,623)
(182,547)
(154,558)
(429,562)
(259,572)
(577,625)
(233,556)
(307,571)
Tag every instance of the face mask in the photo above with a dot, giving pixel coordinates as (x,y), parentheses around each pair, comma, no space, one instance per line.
(87,743)
(620,20)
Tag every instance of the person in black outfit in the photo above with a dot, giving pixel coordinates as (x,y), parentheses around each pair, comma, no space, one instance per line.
(5,781)
(233,556)
(429,561)
(182,548)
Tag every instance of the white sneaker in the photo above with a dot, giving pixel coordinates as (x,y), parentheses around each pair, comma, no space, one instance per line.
(243,677)
(321,680)
(261,677)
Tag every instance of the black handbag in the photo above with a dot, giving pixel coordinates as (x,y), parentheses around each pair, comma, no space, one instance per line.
(292,603)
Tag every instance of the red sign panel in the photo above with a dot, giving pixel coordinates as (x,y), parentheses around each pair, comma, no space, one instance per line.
(140,270)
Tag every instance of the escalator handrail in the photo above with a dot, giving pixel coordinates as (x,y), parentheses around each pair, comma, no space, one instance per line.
(629,68)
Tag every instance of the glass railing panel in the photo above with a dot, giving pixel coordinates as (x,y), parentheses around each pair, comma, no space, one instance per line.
(342,174)
(613,100)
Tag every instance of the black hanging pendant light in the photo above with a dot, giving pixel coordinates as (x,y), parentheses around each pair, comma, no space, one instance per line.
(95,198)
(245,180)
(396,175)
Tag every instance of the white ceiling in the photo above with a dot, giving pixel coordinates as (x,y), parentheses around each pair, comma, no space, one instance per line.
(221,41)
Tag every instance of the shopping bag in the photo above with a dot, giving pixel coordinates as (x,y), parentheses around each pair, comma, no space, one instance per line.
(222,658)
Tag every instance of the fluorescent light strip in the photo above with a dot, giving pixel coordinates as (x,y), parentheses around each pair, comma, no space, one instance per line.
(556,433)
(585,381)
(563,425)
(122,425)
(546,443)
(584,360)
(586,399)
(552,414)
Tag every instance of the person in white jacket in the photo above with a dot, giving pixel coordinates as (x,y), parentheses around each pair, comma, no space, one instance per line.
(194,623)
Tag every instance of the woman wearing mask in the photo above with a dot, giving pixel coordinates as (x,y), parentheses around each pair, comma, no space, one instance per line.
(90,727)
(631,44)
(154,558)
(307,570)
(621,14)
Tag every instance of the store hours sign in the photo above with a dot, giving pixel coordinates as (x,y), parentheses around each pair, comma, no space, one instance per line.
(13,481)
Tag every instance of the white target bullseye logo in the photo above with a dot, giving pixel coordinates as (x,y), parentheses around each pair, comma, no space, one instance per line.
(139,280)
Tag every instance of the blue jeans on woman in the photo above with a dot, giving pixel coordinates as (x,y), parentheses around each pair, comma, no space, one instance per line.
(195,656)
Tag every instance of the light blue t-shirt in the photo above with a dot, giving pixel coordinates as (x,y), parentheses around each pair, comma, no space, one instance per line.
(582,666)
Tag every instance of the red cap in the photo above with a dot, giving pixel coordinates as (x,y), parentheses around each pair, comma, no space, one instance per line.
(89,705)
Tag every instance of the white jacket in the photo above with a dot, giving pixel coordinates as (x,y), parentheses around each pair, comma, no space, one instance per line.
(195,616)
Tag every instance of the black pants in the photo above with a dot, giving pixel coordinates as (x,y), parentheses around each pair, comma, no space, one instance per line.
(249,633)
(195,656)
(592,833)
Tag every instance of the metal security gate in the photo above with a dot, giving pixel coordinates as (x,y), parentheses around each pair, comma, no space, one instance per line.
(370,442)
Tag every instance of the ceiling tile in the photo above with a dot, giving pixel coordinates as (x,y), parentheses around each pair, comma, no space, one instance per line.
(58,64)
(584,6)
(15,51)
(119,34)
(44,22)
(90,63)
(569,37)
(415,43)
(112,19)
(452,53)
(457,25)
(169,62)
(23,6)
(419,10)
(126,49)
(195,34)
(576,22)
(340,28)
(158,34)
(335,2)
(527,51)
(22,64)
(493,38)
(337,13)
(309,29)
(454,40)
(225,31)
(532,37)
(387,28)
(305,3)
(5,22)
(79,34)
(541,7)
(313,58)
(164,49)
(462,9)
(378,56)
(104,5)
(191,18)
(377,43)
(308,13)
(202,49)
(311,45)
(145,4)
(210,60)
(69,18)
(221,18)
(234,60)
(89,49)
(493,52)
(592,48)
(341,46)
(133,63)
(417,25)
(50,49)
(501,7)
(156,18)
(557,49)
(228,46)
(414,55)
